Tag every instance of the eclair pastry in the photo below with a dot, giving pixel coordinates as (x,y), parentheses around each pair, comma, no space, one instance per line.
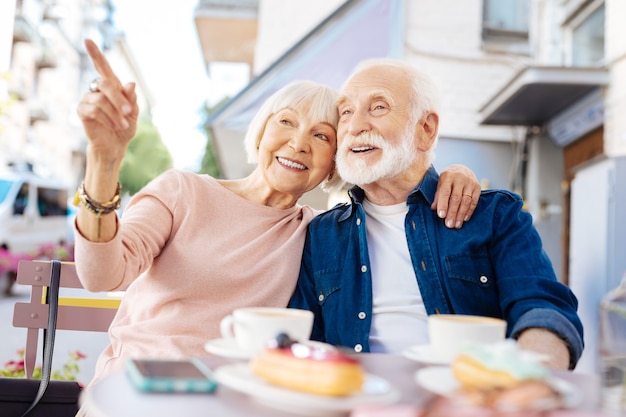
(309,368)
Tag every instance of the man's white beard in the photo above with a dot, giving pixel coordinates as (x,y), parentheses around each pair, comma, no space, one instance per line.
(395,158)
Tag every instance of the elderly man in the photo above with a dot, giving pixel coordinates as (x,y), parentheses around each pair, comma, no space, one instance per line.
(374,269)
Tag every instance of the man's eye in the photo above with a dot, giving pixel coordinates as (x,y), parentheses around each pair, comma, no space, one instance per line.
(345,112)
(285,121)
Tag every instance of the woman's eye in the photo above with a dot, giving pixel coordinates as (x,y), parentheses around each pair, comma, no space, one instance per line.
(322,136)
(285,122)
(345,112)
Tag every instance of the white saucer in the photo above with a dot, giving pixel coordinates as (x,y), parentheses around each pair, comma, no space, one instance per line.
(239,376)
(425,354)
(227,348)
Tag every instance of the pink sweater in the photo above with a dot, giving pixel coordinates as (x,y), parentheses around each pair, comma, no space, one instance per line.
(190,251)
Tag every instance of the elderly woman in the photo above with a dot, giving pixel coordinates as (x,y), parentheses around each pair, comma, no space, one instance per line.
(190,248)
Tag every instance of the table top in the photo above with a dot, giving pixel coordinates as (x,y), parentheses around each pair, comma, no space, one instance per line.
(114,396)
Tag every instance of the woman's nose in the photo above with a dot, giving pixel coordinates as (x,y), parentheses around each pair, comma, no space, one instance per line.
(299,142)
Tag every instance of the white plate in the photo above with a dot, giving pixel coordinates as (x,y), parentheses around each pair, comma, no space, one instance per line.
(239,377)
(425,354)
(229,348)
(440,380)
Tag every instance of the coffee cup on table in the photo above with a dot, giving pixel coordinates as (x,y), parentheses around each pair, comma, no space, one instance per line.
(253,327)
(450,333)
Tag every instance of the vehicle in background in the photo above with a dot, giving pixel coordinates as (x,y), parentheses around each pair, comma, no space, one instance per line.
(33,212)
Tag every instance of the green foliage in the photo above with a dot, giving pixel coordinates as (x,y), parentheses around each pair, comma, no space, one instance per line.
(210,164)
(145,159)
(15,368)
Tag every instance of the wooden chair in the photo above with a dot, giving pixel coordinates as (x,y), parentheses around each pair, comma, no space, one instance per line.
(75,313)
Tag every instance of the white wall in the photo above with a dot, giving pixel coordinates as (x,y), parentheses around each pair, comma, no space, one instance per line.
(598,239)
(615,122)
(284,22)
(443,38)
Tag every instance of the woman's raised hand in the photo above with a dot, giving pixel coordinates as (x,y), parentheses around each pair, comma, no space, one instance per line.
(108,112)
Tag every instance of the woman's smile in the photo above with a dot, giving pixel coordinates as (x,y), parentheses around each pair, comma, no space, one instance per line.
(290,163)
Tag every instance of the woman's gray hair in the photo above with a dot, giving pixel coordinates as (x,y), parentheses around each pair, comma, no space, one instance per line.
(320,102)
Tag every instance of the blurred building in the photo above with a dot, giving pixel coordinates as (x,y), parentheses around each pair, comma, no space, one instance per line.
(533,101)
(45,71)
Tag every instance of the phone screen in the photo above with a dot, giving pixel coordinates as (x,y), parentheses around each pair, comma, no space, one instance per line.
(169,369)
(170,375)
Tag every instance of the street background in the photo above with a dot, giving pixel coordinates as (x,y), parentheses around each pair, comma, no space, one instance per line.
(12,339)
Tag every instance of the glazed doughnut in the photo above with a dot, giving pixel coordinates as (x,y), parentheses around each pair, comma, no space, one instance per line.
(500,365)
(473,374)
(503,377)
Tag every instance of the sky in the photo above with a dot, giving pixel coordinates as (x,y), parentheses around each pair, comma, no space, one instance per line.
(164,42)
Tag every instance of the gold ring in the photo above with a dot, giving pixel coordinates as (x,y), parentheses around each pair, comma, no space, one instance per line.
(469,195)
(93,86)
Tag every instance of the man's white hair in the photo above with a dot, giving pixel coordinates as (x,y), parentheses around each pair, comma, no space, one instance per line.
(424,92)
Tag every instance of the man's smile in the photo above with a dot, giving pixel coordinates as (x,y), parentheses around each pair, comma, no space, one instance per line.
(362,148)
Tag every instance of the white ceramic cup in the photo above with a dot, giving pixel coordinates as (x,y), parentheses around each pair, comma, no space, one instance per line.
(253,327)
(450,333)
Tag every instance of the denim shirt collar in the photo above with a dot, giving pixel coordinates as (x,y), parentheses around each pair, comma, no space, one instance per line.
(424,191)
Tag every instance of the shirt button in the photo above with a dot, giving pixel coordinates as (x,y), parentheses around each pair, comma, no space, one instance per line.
(483,279)
(358,348)
(321,297)
(362,315)
(358,222)
(363,268)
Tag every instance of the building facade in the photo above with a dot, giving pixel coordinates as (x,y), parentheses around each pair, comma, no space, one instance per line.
(533,96)
(45,71)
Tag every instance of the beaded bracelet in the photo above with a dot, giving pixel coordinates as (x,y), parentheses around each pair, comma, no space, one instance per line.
(96,207)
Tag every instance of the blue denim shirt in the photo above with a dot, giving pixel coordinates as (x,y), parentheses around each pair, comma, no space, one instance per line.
(493,266)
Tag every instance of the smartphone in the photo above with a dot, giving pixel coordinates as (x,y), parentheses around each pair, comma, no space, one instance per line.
(156,375)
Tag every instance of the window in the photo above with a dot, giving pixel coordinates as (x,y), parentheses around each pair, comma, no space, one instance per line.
(5,187)
(588,39)
(52,202)
(506,18)
(505,26)
(21,201)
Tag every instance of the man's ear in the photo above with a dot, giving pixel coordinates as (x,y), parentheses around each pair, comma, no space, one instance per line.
(426,132)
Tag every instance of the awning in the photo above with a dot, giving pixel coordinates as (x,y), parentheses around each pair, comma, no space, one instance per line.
(537,94)
(357,30)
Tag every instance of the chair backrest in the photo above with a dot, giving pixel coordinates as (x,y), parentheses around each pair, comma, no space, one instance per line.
(75,313)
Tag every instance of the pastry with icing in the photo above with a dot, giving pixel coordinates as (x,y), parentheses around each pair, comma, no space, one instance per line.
(309,368)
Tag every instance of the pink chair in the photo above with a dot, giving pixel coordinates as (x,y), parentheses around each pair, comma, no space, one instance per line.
(86,314)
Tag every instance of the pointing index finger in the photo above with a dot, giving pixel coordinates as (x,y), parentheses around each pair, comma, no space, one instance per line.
(99,61)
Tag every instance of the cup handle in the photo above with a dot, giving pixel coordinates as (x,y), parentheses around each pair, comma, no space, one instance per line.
(226,327)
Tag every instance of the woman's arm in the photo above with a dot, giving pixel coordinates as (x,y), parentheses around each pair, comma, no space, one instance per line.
(109,117)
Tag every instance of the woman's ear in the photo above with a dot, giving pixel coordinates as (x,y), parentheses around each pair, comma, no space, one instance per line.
(426,131)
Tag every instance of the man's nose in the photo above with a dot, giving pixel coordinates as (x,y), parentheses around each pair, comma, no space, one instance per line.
(358,123)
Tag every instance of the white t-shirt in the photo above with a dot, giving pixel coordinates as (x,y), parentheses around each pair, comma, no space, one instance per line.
(399,315)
